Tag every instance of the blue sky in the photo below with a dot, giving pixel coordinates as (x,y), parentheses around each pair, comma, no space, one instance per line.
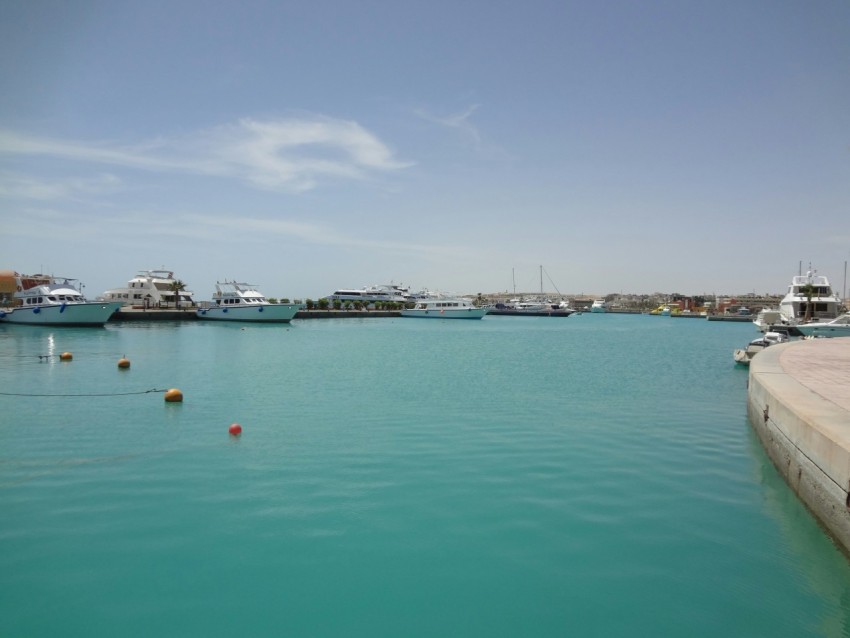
(675,146)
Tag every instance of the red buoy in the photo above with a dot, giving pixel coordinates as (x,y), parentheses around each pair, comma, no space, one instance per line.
(235,429)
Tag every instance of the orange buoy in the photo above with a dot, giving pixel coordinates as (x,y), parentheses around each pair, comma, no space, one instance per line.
(235,429)
(123,362)
(66,356)
(174,396)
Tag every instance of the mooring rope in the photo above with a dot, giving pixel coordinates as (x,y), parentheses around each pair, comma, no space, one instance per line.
(106,394)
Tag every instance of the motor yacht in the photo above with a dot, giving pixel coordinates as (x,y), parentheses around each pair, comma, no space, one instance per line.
(152,289)
(234,301)
(448,308)
(46,300)
(371,294)
(809,298)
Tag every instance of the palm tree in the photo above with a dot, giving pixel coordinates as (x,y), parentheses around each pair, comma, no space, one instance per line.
(177,287)
(809,291)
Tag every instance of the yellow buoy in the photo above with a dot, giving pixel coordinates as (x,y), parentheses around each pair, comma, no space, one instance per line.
(123,362)
(174,396)
(66,356)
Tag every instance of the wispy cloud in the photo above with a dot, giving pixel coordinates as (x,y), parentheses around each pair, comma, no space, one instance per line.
(460,121)
(17,186)
(295,154)
(202,228)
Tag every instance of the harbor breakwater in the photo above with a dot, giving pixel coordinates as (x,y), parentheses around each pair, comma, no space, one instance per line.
(799,405)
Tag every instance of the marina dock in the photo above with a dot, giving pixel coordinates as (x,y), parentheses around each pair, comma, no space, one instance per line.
(188,314)
(799,404)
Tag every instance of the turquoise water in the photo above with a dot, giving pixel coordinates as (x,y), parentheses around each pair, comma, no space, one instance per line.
(589,476)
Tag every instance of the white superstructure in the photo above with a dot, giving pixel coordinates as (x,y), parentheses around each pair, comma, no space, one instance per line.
(234,301)
(151,289)
(371,294)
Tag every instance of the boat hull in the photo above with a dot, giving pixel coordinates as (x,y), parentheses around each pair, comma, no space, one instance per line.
(824,331)
(77,314)
(267,313)
(448,313)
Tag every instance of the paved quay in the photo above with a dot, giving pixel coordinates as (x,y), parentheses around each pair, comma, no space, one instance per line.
(799,404)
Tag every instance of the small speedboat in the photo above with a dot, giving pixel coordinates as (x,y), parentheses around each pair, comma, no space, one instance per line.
(838,327)
(745,355)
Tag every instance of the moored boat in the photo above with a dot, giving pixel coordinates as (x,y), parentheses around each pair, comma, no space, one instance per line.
(445,308)
(46,300)
(234,301)
(152,289)
(838,327)
(809,298)
(766,318)
(371,294)
(745,355)
(599,305)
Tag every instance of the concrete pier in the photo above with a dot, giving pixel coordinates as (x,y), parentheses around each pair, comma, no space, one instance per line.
(799,404)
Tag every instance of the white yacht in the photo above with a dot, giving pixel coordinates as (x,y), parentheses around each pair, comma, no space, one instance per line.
(152,289)
(599,305)
(370,294)
(838,327)
(234,301)
(796,307)
(45,300)
(445,309)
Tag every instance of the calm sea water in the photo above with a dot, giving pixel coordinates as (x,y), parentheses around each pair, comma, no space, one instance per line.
(589,476)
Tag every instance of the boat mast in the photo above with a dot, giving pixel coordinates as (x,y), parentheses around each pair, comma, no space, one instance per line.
(541,280)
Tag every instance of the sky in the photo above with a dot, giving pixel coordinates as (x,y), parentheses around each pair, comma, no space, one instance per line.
(466,146)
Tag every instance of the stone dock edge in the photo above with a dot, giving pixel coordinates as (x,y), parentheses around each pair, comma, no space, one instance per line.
(798,402)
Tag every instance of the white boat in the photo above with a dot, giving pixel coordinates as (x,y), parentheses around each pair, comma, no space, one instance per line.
(445,309)
(371,294)
(234,301)
(745,355)
(152,289)
(795,307)
(45,300)
(599,305)
(838,327)
(533,305)
(766,318)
